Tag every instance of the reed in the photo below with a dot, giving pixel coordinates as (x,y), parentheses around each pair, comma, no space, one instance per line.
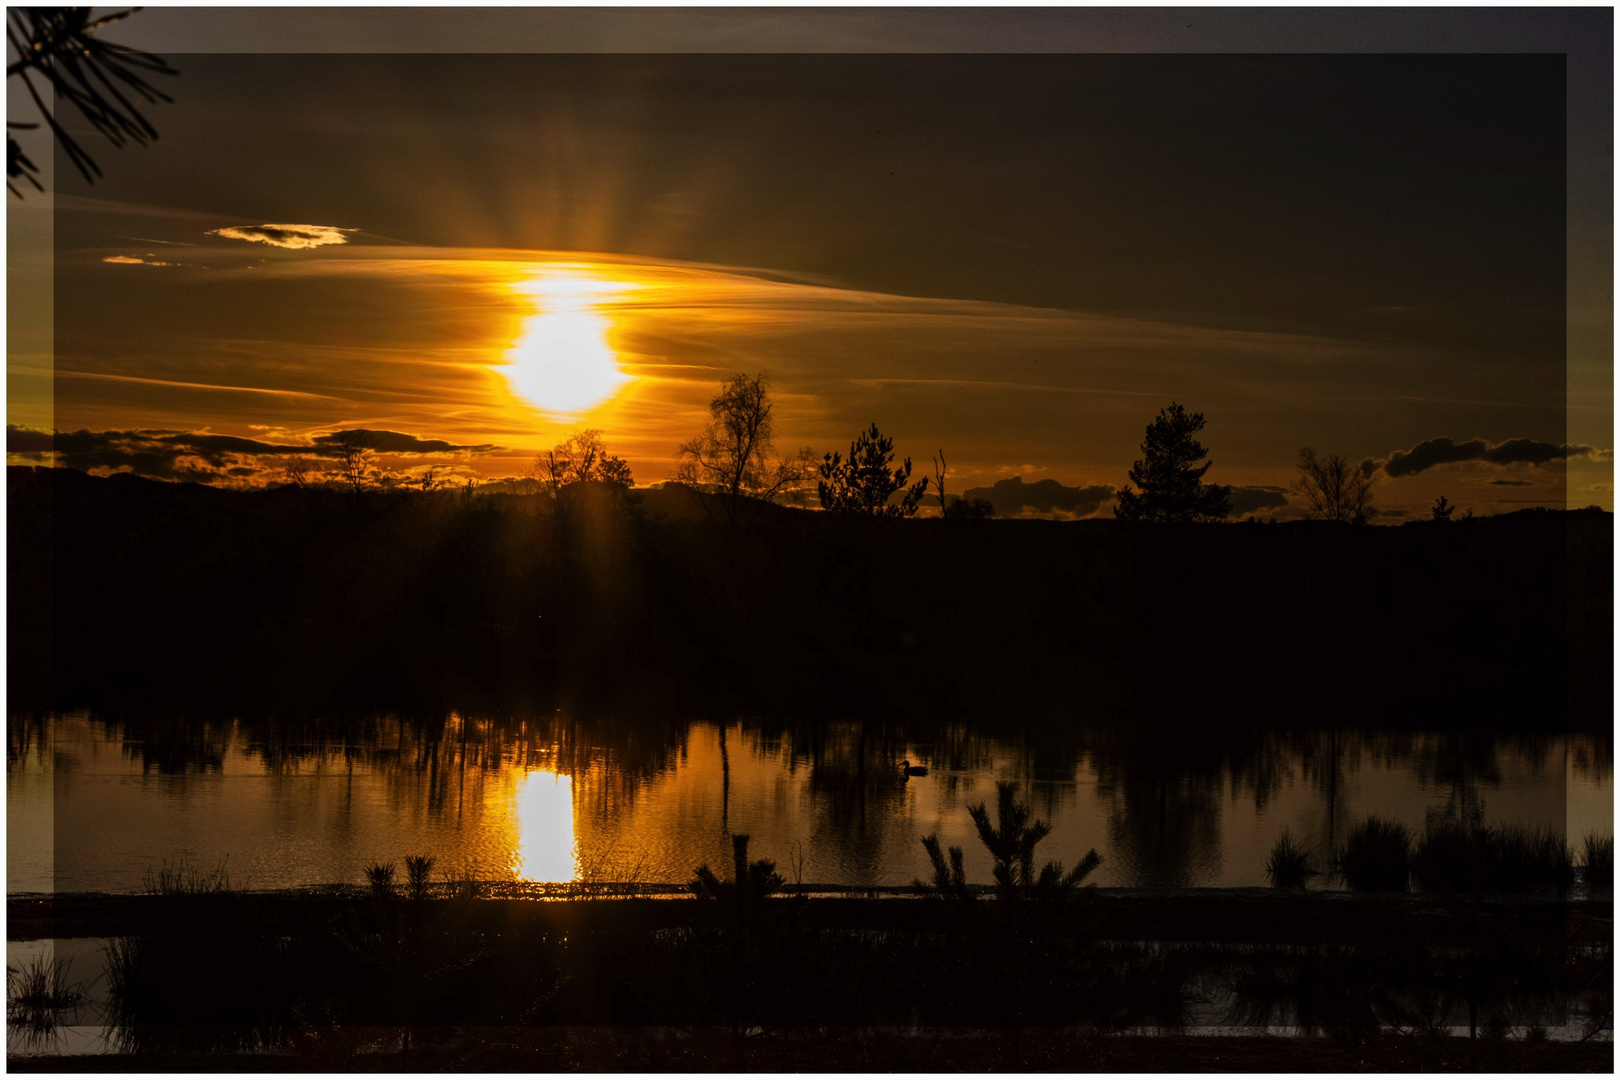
(1597,861)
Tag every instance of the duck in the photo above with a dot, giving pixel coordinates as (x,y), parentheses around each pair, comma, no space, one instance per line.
(907,769)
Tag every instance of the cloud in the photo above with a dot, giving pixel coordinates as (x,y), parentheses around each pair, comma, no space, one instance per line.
(1443,451)
(134,260)
(1511,483)
(1249,500)
(286,236)
(395,442)
(198,456)
(1012,497)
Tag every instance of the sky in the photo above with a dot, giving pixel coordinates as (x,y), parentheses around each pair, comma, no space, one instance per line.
(1017,259)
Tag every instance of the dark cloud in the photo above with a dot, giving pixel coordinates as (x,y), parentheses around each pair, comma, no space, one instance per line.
(1443,451)
(286,236)
(21,440)
(1249,500)
(1511,483)
(1012,497)
(197,456)
(396,442)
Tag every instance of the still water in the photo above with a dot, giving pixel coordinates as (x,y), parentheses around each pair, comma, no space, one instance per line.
(99,805)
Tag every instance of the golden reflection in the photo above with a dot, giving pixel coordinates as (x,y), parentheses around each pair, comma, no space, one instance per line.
(562,361)
(544,807)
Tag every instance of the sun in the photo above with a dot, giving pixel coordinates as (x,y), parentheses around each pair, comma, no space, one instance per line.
(562,362)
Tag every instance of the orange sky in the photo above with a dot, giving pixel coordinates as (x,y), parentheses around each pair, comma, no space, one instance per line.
(1027,319)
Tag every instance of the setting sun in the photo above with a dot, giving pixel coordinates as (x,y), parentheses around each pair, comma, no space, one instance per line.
(562,362)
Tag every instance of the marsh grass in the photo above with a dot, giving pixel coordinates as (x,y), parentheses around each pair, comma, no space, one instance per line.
(1454,858)
(179,878)
(1377,856)
(1290,865)
(1597,861)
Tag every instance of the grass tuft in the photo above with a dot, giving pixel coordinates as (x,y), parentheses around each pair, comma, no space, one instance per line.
(1377,856)
(1290,865)
(41,986)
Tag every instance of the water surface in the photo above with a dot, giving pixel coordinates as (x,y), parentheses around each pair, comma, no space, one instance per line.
(101,805)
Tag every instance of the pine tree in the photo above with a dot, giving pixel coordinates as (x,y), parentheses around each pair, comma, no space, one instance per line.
(862,483)
(1168,476)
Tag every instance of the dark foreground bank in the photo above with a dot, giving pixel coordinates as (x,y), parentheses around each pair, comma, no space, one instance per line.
(738,980)
(132,595)
(709,1050)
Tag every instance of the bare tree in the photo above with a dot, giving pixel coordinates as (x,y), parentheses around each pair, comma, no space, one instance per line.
(734,454)
(1335,488)
(583,456)
(297,469)
(939,480)
(352,461)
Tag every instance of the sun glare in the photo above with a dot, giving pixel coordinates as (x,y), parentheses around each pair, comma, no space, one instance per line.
(544,807)
(562,361)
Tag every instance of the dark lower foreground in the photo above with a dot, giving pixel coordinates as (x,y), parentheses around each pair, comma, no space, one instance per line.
(854,1050)
(745,983)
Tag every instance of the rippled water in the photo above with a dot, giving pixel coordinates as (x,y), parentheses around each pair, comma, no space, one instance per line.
(100,805)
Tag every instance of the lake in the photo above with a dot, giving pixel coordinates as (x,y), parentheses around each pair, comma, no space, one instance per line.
(95,804)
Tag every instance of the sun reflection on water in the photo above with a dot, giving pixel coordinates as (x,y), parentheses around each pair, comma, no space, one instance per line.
(544,808)
(562,361)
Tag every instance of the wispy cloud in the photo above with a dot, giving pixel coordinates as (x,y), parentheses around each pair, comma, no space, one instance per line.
(286,236)
(182,385)
(134,260)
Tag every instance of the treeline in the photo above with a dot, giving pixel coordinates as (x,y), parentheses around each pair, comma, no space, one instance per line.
(131,594)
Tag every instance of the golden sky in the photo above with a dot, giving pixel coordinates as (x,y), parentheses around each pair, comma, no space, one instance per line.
(1017,260)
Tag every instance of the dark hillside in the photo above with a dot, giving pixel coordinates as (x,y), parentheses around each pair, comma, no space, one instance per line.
(132,594)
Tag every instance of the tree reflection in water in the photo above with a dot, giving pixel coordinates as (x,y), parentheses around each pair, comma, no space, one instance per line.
(652,797)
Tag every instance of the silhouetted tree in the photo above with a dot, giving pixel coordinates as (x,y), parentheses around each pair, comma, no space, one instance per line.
(939,480)
(733,455)
(1011,842)
(352,460)
(1441,510)
(970,509)
(1335,488)
(1169,476)
(751,882)
(862,483)
(297,469)
(583,456)
(61,46)
(950,881)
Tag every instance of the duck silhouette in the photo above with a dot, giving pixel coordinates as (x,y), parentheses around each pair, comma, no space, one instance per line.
(908,770)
